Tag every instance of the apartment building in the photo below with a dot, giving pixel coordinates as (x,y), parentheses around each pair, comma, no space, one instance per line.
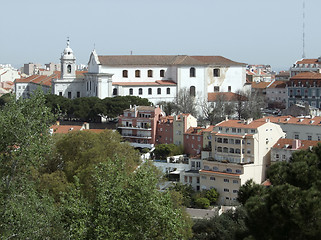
(305,65)
(138,125)
(303,128)
(193,141)
(240,151)
(284,148)
(181,123)
(164,132)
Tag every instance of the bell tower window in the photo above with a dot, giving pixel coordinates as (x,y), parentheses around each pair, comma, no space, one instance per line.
(69,68)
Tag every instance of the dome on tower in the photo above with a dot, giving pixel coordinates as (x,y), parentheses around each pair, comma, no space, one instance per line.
(68,53)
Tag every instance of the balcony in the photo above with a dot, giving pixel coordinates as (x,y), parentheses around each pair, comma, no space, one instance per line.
(136,136)
(136,127)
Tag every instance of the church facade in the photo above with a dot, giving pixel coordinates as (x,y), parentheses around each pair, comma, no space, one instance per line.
(155,77)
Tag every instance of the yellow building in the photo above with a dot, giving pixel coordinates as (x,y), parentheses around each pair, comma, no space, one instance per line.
(240,151)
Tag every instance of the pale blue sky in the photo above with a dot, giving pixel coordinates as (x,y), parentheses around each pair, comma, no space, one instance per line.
(250,31)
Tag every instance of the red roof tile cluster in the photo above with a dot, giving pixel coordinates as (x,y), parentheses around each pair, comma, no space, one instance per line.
(39,79)
(307,61)
(260,85)
(307,76)
(286,143)
(241,124)
(277,84)
(225,96)
(315,121)
(195,130)
(156,60)
(65,128)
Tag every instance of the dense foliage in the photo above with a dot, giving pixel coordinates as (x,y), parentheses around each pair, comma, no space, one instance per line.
(77,186)
(291,207)
(162,151)
(92,108)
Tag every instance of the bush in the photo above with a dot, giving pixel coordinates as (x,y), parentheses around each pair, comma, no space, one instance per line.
(202,203)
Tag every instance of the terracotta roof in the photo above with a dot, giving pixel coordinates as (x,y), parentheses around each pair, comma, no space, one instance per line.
(156,83)
(307,61)
(219,173)
(225,96)
(266,183)
(241,124)
(315,121)
(164,60)
(209,128)
(65,128)
(260,85)
(38,79)
(287,143)
(306,75)
(194,130)
(278,84)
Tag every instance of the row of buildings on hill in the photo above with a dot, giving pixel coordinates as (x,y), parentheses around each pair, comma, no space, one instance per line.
(226,155)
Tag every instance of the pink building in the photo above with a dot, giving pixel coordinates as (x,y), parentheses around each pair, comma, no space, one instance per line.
(164,132)
(138,125)
(193,141)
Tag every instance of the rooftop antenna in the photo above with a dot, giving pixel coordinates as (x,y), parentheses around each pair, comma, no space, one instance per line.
(303,36)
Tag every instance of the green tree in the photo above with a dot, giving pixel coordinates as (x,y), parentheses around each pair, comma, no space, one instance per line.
(162,151)
(202,202)
(290,208)
(212,195)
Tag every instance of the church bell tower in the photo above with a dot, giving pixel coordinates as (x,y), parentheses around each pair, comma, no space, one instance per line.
(68,63)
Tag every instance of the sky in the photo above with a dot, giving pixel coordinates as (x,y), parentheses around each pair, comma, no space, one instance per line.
(248,31)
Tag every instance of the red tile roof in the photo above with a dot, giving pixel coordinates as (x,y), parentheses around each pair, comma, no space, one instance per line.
(288,144)
(307,61)
(241,124)
(65,128)
(278,84)
(166,60)
(307,76)
(315,121)
(260,85)
(225,96)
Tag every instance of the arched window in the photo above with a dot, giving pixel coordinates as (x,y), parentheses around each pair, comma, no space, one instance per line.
(131,91)
(140,91)
(168,90)
(192,91)
(150,73)
(159,91)
(115,91)
(69,69)
(149,91)
(137,73)
(125,74)
(192,72)
(162,73)
(225,149)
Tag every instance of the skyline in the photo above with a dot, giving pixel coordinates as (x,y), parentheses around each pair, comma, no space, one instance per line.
(245,31)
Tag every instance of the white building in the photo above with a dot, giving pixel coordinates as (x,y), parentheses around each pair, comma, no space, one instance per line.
(158,78)
(8,73)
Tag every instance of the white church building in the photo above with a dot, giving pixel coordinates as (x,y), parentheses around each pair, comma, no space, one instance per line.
(155,77)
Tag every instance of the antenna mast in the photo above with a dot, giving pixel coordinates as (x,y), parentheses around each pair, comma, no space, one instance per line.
(303,36)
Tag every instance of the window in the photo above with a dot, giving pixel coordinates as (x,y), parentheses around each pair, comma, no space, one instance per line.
(69,69)
(216,88)
(235,191)
(78,94)
(248,151)
(192,91)
(219,140)
(150,73)
(162,73)
(60,93)
(239,130)
(219,149)
(159,91)
(309,137)
(237,141)
(225,149)
(226,190)
(125,74)
(168,90)
(137,73)
(277,156)
(69,94)
(149,91)
(238,171)
(203,177)
(229,170)
(226,180)
(225,140)
(115,91)
(131,91)
(229,89)
(216,72)
(212,178)
(252,130)
(231,150)
(192,72)
(235,181)
(296,136)
(140,91)
(233,130)
(238,151)
(231,141)
(215,168)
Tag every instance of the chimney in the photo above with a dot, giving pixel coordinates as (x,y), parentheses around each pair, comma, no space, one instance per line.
(296,144)
(267,120)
